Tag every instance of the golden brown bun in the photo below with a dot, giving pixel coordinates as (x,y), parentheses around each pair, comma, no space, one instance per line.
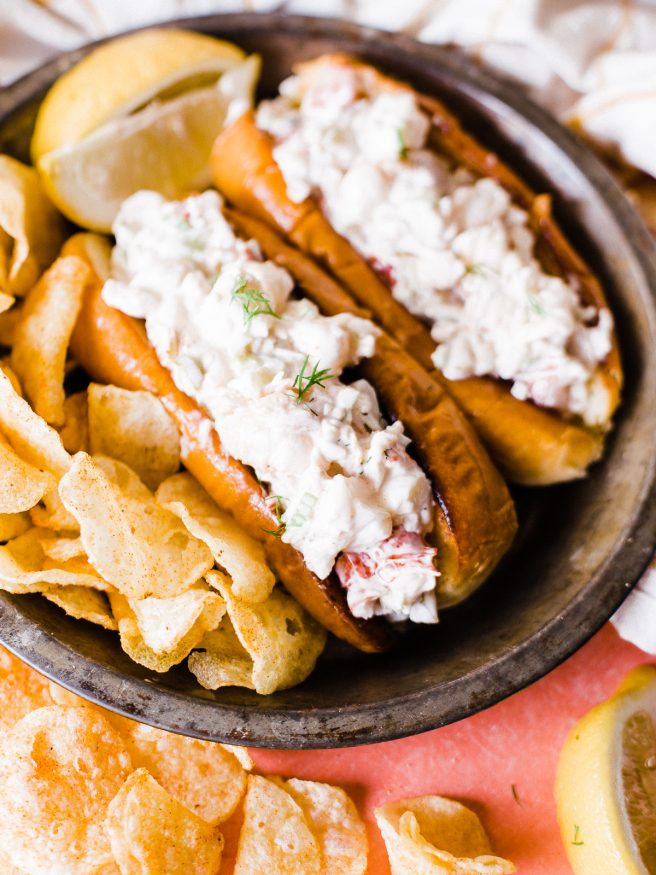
(532,445)
(113,348)
(475,520)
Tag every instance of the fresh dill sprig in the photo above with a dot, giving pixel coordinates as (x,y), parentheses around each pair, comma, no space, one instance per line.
(403,148)
(576,840)
(253,301)
(535,305)
(303,381)
(278,510)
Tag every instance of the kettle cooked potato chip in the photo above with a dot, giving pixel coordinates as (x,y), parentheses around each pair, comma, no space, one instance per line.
(31,229)
(60,767)
(433,835)
(30,435)
(232,548)
(282,640)
(275,838)
(134,428)
(82,603)
(180,643)
(22,690)
(206,777)
(43,333)
(138,546)
(151,833)
(21,484)
(24,566)
(335,823)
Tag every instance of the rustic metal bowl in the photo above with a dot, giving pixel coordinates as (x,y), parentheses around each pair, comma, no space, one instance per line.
(581,546)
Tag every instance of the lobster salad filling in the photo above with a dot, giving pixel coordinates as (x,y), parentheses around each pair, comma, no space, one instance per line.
(454,248)
(266,366)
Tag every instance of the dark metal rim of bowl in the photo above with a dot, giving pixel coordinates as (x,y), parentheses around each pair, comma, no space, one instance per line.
(613,236)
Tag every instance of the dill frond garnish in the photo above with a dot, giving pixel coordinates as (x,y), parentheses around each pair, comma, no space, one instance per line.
(253,301)
(303,381)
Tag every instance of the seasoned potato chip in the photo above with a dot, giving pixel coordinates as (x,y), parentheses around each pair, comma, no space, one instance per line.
(82,603)
(335,823)
(24,567)
(138,546)
(205,777)
(21,484)
(15,382)
(432,835)
(9,319)
(31,229)
(6,302)
(13,524)
(280,637)
(164,623)
(132,639)
(51,514)
(75,431)
(151,833)
(222,660)
(22,690)
(62,549)
(43,333)
(232,548)
(134,428)
(275,838)
(60,767)
(30,435)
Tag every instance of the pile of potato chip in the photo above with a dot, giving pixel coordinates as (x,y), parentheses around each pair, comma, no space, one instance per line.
(94,513)
(87,792)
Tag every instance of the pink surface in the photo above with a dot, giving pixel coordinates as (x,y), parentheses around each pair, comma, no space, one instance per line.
(480,759)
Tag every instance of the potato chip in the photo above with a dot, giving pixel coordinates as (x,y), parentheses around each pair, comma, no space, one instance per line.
(51,514)
(13,524)
(138,546)
(30,435)
(275,837)
(222,660)
(21,484)
(44,331)
(163,623)
(75,431)
(134,644)
(62,549)
(204,776)
(239,554)
(6,302)
(134,428)
(22,690)
(335,823)
(24,567)
(61,696)
(31,229)
(151,833)
(9,319)
(280,637)
(15,382)
(431,835)
(82,603)
(242,754)
(60,767)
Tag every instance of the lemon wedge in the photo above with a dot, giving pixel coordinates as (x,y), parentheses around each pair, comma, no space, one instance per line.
(606,783)
(164,147)
(123,75)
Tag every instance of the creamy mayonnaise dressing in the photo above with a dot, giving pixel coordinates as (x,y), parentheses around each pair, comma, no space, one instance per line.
(455,249)
(223,321)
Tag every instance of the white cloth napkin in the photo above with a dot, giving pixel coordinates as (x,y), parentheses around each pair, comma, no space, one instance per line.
(593,64)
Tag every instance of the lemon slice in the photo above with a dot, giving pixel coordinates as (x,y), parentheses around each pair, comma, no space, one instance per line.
(606,783)
(124,75)
(164,147)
